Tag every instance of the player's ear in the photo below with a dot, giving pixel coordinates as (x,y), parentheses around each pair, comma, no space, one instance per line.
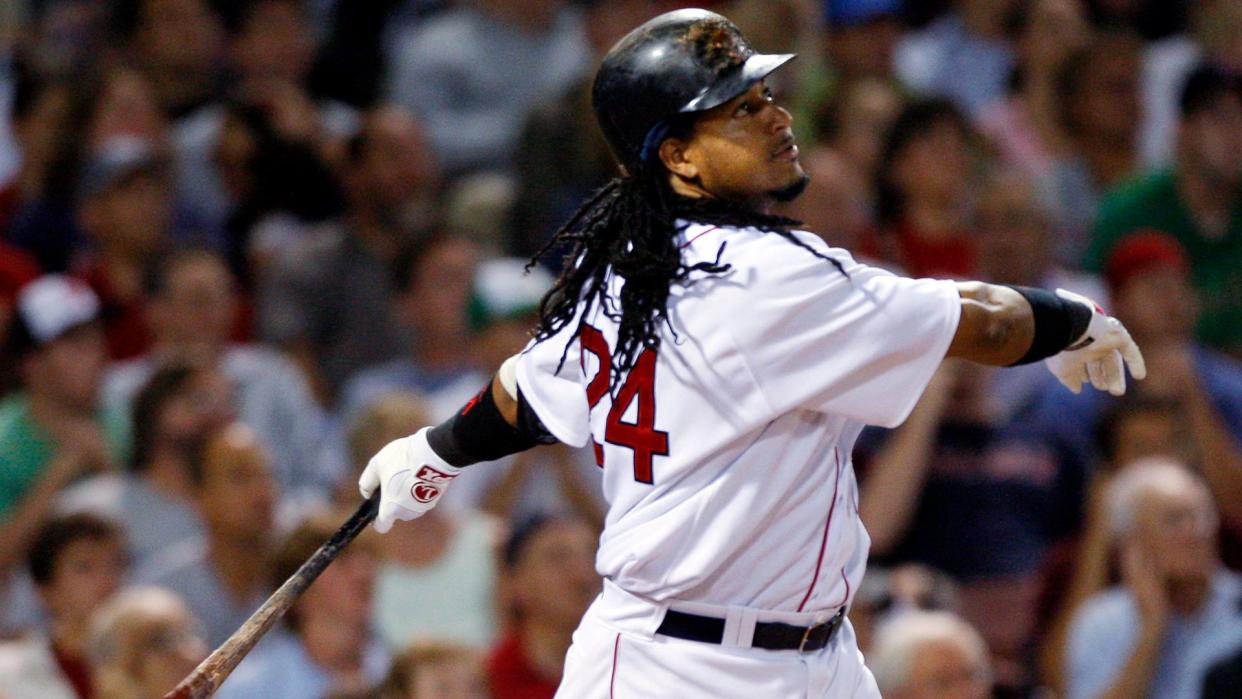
(674,153)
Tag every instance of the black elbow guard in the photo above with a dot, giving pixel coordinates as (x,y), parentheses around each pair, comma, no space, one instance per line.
(1058,322)
(478,432)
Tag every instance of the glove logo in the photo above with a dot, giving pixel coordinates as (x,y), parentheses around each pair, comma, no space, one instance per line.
(431,475)
(424,492)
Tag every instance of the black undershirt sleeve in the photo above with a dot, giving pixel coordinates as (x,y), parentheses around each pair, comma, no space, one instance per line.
(478,432)
(1058,322)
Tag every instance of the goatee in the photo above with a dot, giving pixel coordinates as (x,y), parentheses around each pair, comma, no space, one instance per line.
(791,192)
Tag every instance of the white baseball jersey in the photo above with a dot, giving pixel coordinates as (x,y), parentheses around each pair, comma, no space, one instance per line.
(726,453)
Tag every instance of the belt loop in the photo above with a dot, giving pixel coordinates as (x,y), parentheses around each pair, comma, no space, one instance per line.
(739,628)
(746,629)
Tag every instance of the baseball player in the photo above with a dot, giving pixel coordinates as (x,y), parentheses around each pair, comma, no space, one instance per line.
(721,364)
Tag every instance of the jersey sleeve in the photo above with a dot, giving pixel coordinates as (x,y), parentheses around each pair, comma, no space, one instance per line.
(555,390)
(863,345)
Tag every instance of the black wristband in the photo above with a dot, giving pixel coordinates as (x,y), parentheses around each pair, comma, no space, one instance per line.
(1058,322)
(478,432)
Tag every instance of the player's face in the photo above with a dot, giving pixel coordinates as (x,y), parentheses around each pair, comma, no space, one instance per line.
(744,151)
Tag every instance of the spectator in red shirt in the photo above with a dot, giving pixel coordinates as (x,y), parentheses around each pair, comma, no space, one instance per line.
(78,563)
(922,192)
(125,205)
(548,581)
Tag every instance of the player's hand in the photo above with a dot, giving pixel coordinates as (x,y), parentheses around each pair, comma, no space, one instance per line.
(1100,356)
(410,476)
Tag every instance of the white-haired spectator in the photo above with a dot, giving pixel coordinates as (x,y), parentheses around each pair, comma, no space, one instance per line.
(1174,614)
(921,655)
(143,643)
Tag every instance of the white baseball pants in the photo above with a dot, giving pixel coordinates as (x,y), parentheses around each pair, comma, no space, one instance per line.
(616,654)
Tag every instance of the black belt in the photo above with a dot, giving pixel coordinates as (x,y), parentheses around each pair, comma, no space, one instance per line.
(769,635)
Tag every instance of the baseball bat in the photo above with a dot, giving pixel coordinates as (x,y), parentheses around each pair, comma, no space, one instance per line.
(208,676)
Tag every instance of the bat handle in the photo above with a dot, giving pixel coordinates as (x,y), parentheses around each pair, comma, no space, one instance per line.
(210,673)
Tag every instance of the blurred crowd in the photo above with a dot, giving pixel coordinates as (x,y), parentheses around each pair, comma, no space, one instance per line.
(244,243)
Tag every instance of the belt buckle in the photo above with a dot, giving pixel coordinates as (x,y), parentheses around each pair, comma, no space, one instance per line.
(806,635)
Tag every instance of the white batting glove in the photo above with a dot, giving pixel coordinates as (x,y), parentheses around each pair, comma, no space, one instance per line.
(411,478)
(1098,355)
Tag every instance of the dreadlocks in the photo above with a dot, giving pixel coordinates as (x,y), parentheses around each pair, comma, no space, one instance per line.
(628,228)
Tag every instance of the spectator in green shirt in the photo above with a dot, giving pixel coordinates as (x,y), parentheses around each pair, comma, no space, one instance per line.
(52,431)
(1198,201)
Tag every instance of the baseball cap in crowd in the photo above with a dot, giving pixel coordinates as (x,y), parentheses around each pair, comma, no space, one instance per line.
(503,290)
(116,160)
(1142,251)
(49,307)
(852,13)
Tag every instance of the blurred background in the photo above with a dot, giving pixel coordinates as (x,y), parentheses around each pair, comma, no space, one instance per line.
(244,243)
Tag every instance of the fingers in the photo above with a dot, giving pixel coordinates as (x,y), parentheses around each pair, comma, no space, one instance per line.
(384,517)
(369,480)
(389,512)
(1117,374)
(1118,338)
(1107,372)
(1134,359)
(1073,377)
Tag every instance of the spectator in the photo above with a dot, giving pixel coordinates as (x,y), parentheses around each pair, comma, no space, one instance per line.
(193,311)
(888,593)
(328,300)
(1133,430)
(436,578)
(328,647)
(1149,275)
(226,576)
(965,56)
(435,670)
(153,500)
(926,655)
(561,156)
(1098,111)
(1157,634)
(78,563)
(922,183)
(858,46)
(178,44)
(433,277)
(503,308)
(475,72)
(856,120)
(1017,238)
(143,643)
(1214,36)
(125,209)
(541,554)
(1026,126)
(54,430)
(1197,201)
(35,202)
(960,489)
(70,126)
(272,50)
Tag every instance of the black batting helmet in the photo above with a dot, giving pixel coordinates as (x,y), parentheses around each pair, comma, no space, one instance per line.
(680,62)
